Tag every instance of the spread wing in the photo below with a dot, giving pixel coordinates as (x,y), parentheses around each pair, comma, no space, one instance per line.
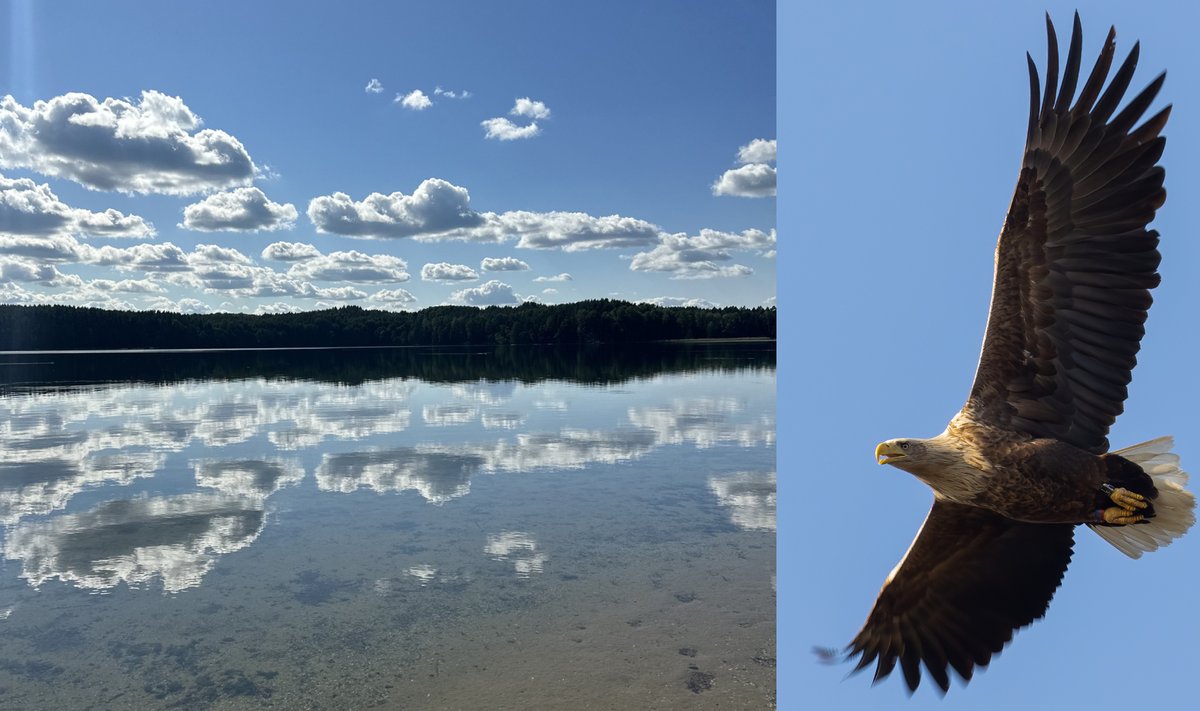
(968,581)
(1075,262)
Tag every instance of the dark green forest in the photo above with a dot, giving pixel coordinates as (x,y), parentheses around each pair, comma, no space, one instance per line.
(582,322)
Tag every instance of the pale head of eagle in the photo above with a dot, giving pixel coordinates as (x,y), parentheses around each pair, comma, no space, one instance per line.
(941,462)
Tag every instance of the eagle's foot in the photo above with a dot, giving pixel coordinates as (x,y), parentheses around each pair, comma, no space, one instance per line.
(1127,500)
(1120,516)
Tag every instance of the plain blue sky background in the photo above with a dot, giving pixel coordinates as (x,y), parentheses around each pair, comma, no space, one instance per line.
(649,104)
(901,131)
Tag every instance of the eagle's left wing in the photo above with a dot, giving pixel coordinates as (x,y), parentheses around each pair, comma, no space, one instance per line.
(1075,262)
(970,578)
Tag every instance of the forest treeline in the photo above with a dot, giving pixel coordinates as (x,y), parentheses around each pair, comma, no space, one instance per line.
(582,322)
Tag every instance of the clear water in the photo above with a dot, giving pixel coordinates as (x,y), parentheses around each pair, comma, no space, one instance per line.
(196,535)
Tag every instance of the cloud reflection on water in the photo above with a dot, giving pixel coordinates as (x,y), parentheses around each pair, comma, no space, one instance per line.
(130,440)
(518,548)
(176,539)
(750,497)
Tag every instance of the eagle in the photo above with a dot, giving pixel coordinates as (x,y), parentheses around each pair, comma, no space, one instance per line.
(1027,459)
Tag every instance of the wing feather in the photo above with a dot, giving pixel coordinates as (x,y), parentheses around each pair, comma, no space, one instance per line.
(1075,262)
(970,579)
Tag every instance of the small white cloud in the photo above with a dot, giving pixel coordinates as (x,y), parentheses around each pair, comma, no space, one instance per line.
(415,100)
(127,286)
(753,180)
(549,291)
(352,266)
(502,129)
(701,257)
(183,306)
(439,91)
(289,251)
(503,264)
(279,307)
(530,109)
(340,293)
(569,231)
(393,296)
(760,150)
(239,210)
(493,293)
(443,271)
(374,87)
(216,254)
(163,257)
(676,301)
(756,175)
(558,277)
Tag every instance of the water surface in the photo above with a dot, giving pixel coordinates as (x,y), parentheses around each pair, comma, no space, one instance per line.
(491,529)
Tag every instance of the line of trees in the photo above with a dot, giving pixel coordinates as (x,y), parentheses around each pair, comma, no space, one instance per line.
(595,321)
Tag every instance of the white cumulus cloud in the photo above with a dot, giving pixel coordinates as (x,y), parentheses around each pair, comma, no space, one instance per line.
(127,286)
(503,264)
(14,269)
(154,145)
(672,301)
(162,257)
(704,256)
(439,91)
(760,150)
(289,251)
(492,293)
(32,209)
(531,109)
(393,296)
(755,177)
(239,210)
(352,266)
(415,100)
(503,129)
(558,277)
(569,231)
(444,271)
(374,87)
(435,206)
(216,254)
(753,180)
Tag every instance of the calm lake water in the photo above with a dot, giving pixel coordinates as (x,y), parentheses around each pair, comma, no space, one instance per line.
(402,529)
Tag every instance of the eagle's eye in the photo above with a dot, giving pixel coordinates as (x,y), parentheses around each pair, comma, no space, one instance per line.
(904,445)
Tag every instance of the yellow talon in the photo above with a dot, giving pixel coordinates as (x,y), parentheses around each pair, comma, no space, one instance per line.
(1120,516)
(1127,499)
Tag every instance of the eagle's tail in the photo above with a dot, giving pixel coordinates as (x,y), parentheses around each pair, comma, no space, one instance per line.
(1174,508)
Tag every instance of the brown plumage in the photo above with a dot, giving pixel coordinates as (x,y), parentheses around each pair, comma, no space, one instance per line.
(1024,461)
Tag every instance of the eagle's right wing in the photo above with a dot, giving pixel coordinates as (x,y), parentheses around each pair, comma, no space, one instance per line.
(968,581)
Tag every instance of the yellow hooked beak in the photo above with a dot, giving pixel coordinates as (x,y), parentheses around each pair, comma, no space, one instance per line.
(888,452)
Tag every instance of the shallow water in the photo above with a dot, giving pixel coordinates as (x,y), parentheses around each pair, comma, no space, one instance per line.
(399,539)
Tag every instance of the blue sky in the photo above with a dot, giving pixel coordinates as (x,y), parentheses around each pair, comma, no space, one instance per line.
(152,154)
(902,127)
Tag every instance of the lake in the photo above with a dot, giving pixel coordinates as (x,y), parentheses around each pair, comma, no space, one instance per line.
(510,528)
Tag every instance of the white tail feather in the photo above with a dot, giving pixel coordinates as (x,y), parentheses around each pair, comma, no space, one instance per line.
(1174,508)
